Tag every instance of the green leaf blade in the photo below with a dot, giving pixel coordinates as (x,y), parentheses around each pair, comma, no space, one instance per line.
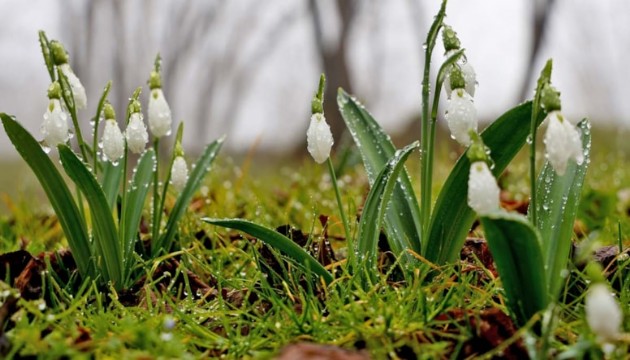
(111,182)
(557,200)
(402,219)
(105,233)
(277,241)
(514,244)
(56,190)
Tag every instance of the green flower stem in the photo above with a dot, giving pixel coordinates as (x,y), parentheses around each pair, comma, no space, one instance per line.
(346,226)
(156,197)
(68,98)
(426,141)
(97,118)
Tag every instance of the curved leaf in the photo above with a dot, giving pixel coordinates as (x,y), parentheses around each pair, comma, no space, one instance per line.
(376,205)
(56,190)
(452,218)
(557,203)
(402,219)
(104,228)
(514,244)
(277,241)
(201,168)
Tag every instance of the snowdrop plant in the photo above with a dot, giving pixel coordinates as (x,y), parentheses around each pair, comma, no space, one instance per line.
(103,241)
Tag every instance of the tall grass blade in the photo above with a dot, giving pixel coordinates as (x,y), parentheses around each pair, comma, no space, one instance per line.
(277,241)
(111,182)
(57,191)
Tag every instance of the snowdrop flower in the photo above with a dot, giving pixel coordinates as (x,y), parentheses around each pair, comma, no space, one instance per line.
(563,143)
(461,116)
(603,313)
(319,138)
(483,191)
(179,173)
(159,111)
(112,142)
(470,77)
(55,125)
(60,57)
(136,133)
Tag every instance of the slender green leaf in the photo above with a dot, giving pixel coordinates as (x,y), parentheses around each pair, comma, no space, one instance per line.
(104,228)
(111,182)
(376,205)
(402,220)
(201,168)
(57,191)
(277,241)
(514,243)
(452,218)
(134,203)
(557,205)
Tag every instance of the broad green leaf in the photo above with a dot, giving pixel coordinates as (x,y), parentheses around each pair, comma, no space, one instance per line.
(111,182)
(452,218)
(103,226)
(376,205)
(134,203)
(277,241)
(557,199)
(514,243)
(56,190)
(201,168)
(402,219)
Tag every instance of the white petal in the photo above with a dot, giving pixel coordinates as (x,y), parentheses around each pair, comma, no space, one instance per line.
(136,134)
(113,143)
(80,98)
(562,142)
(603,313)
(179,173)
(319,138)
(55,125)
(483,191)
(159,114)
(461,116)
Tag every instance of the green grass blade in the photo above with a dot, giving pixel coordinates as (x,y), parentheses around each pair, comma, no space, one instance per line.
(104,228)
(277,241)
(111,182)
(452,218)
(557,204)
(402,220)
(514,243)
(376,205)
(134,203)
(57,192)
(202,167)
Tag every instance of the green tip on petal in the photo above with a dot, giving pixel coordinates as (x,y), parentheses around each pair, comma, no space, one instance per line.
(478,151)
(108,111)
(54,91)
(450,39)
(317,105)
(550,98)
(155,80)
(59,54)
(457,78)
(135,106)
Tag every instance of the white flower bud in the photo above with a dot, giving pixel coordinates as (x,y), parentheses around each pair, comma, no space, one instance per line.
(159,114)
(562,142)
(319,138)
(55,125)
(136,134)
(80,98)
(112,142)
(483,191)
(461,116)
(179,173)
(603,313)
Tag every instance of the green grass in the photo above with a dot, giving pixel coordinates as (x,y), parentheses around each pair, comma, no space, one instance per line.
(252,311)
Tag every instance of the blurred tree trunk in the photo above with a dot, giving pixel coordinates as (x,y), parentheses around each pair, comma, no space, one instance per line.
(333,60)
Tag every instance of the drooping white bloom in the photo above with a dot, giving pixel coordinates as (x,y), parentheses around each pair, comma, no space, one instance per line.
(319,138)
(470,77)
(461,116)
(159,114)
(483,191)
(112,142)
(603,313)
(80,98)
(562,141)
(136,133)
(179,173)
(55,125)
